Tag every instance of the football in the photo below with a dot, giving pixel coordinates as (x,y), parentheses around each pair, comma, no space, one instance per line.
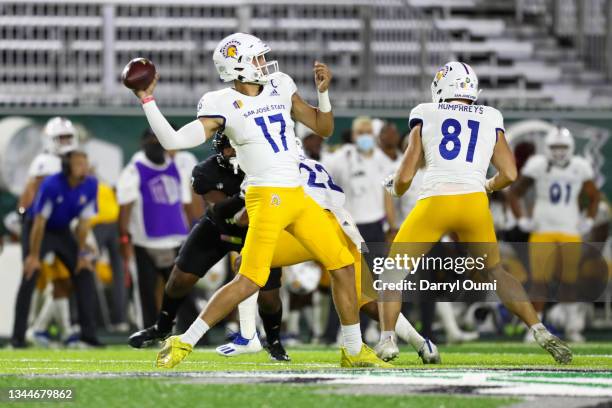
(138,74)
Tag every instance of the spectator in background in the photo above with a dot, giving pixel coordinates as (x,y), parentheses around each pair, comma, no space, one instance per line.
(106,231)
(185,162)
(152,218)
(359,169)
(61,198)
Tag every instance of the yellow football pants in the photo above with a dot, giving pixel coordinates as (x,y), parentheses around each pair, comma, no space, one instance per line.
(466,215)
(547,254)
(274,209)
(289,251)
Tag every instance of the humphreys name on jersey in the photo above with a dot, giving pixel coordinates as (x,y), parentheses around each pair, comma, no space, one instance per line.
(263,109)
(462,107)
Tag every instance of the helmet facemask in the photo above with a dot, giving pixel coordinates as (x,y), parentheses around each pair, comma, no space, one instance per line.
(559,154)
(65,143)
(263,69)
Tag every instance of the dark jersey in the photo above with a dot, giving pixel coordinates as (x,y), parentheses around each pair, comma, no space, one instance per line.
(210,175)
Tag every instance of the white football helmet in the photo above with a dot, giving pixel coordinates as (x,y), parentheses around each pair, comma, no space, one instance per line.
(559,144)
(455,80)
(60,136)
(237,56)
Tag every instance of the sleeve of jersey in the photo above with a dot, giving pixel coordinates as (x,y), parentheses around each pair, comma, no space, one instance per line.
(42,166)
(207,108)
(587,170)
(185,188)
(500,125)
(290,83)
(43,203)
(128,185)
(532,167)
(416,117)
(91,209)
(229,207)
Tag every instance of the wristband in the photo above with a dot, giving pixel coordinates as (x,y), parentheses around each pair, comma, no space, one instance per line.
(124,239)
(84,253)
(324,103)
(147,99)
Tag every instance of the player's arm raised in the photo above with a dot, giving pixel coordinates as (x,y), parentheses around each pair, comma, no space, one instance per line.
(192,134)
(399,183)
(503,160)
(320,119)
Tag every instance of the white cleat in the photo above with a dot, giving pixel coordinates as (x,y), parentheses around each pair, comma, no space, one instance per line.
(461,337)
(240,345)
(551,343)
(429,353)
(387,349)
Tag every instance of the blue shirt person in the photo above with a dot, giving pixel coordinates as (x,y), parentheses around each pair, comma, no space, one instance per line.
(62,198)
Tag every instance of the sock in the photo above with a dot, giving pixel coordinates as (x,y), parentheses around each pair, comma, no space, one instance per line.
(384,335)
(195,332)
(447,316)
(406,332)
(537,326)
(317,315)
(293,325)
(167,314)
(62,314)
(272,325)
(247,311)
(351,338)
(44,316)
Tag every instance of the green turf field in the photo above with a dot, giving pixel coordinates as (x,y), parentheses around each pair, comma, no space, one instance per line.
(476,375)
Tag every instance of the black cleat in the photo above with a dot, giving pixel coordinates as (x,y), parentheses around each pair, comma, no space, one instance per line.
(277,352)
(147,337)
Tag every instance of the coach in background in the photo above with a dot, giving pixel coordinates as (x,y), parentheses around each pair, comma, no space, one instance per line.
(61,198)
(152,195)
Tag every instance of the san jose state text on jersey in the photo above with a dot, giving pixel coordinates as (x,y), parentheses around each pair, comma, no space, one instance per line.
(260,128)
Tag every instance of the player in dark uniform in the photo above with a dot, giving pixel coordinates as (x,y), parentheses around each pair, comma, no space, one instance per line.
(218,180)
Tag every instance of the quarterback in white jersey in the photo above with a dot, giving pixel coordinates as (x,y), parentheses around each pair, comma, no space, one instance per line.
(257,114)
(455,140)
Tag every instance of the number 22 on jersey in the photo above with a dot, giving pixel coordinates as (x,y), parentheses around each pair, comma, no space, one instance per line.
(273,120)
(450,145)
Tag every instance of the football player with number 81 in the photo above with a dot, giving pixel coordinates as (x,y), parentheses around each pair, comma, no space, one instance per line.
(456,140)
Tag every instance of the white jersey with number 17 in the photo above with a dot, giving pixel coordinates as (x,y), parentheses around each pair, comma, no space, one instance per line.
(261,130)
(458,142)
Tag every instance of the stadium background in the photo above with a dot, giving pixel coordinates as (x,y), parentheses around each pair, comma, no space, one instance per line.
(536,59)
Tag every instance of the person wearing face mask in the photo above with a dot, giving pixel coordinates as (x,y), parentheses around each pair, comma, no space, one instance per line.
(359,167)
(152,219)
